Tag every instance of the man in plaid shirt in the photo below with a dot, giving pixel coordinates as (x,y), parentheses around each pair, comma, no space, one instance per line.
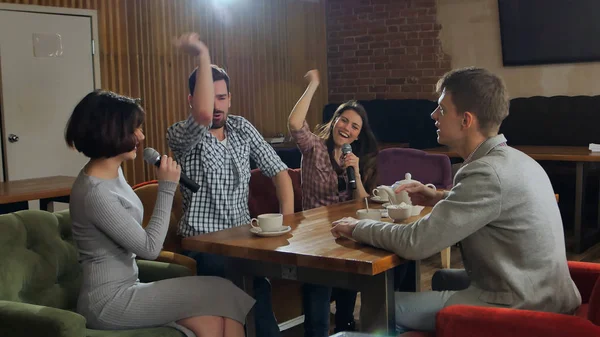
(214,149)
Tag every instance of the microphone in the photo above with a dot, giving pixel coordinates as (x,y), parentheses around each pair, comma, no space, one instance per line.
(346,148)
(152,157)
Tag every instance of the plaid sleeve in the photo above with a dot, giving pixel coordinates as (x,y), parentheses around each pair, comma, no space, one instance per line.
(305,139)
(184,135)
(262,153)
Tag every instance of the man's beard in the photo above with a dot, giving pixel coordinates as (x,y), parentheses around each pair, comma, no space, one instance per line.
(221,123)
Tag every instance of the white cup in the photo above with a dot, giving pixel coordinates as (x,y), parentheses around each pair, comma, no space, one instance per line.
(381,194)
(373,214)
(269,222)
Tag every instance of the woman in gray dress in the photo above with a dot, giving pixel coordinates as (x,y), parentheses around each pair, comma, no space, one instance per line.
(107,217)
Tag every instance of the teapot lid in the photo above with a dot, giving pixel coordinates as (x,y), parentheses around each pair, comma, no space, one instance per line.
(407,179)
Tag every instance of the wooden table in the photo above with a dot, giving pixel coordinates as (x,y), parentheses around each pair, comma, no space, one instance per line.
(580,155)
(310,254)
(14,195)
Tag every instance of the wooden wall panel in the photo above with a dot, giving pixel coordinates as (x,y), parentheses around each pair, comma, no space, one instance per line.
(266,46)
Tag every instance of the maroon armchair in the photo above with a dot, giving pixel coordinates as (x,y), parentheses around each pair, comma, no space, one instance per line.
(262,197)
(472,321)
(393,163)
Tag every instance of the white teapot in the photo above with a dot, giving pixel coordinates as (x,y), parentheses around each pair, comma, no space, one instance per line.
(398,198)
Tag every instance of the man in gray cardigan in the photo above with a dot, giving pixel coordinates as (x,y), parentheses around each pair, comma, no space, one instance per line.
(502,210)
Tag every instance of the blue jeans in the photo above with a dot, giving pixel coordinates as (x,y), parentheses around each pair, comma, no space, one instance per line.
(264,319)
(315,302)
(345,301)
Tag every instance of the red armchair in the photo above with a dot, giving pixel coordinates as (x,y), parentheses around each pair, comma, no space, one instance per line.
(472,321)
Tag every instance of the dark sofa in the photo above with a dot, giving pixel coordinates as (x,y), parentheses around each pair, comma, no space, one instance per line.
(553,121)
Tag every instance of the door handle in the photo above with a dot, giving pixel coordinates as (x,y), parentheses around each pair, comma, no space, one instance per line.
(13,138)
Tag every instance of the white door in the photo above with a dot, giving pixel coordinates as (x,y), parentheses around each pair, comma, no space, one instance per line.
(47,67)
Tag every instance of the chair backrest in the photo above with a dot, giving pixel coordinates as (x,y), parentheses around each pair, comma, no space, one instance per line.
(594,308)
(394,163)
(38,259)
(263,196)
(147,192)
(586,276)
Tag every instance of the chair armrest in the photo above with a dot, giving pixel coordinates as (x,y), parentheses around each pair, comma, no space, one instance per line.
(23,319)
(182,260)
(150,271)
(585,275)
(470,321)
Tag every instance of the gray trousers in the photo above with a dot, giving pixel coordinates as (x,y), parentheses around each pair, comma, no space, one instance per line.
(417,311)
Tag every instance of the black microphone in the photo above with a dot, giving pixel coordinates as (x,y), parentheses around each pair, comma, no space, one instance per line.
(152,157)
(346,148)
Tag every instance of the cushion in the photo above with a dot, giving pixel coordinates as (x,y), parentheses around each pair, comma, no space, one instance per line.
(38,259)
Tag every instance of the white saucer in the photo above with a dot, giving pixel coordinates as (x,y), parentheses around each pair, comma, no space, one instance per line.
(378,199)
(259,232)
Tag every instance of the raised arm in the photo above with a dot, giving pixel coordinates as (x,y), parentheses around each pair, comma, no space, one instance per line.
(203,97)
(183,136)
(298,114)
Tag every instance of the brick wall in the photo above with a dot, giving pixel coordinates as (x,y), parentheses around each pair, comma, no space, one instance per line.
(383,49)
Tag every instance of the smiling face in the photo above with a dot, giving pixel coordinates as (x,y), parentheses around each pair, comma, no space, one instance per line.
(347,127)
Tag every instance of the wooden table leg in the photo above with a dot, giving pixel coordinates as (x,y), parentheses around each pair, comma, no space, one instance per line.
(579,199)
(378,305)
(47,204)
(445,254)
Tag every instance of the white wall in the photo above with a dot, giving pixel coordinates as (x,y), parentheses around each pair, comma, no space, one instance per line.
(471,36)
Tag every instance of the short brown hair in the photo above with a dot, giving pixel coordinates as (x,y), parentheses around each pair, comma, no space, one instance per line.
(478,91)
(103,124)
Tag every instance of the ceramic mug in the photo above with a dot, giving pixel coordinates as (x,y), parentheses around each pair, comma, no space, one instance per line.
(269,222)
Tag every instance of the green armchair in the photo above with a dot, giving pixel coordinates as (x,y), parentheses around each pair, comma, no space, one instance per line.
(40,278)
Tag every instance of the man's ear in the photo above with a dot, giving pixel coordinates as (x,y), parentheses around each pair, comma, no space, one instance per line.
(468,119)
(229,100)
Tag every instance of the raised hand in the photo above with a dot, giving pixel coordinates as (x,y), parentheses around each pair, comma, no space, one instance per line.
(312,76)
(190,43)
